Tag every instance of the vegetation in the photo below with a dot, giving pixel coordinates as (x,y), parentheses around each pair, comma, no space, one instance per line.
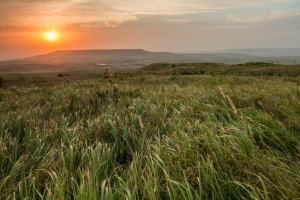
(151,137)
(247,69)
(1,81)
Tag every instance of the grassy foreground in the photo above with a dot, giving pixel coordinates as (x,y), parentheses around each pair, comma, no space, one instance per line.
(155,137)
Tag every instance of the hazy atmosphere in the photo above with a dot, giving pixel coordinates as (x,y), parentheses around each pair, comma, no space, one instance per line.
(176,26)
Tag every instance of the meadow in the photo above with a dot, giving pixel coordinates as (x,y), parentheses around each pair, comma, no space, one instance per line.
(203,136)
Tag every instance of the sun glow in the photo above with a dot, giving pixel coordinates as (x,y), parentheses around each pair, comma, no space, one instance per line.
(51,35)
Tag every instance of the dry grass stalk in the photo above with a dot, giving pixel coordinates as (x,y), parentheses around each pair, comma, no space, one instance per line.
(140,121)
(222,92)
(231,104)
(228,98)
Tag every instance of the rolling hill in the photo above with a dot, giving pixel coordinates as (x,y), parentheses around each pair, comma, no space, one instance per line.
(265,52)
(95,60)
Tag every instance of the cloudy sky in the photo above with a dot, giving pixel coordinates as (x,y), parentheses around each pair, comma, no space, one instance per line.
(155,25)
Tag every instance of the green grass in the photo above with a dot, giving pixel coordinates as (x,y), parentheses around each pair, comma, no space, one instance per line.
(248,69)
(155,137)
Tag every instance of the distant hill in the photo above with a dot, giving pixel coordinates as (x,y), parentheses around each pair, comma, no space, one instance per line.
(265,52)
(130,56)
(97,56)
(93,60)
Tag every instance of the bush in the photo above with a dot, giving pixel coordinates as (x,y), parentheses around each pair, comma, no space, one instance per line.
(1,81)
(270,73)
(186,73)
(173,77)
(60,75)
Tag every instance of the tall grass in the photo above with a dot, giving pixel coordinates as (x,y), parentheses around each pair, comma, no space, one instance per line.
(188,137)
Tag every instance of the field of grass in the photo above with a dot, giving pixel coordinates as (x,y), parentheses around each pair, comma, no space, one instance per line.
(247,69)
(151,137)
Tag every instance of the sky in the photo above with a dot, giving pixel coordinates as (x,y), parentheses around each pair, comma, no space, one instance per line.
(154,25)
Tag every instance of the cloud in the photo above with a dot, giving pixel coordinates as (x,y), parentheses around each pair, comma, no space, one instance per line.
(264,17)
(111,13)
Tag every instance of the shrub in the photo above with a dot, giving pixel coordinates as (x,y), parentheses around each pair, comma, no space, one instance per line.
(186,73)
(173,77)
(60,75)
(270,73)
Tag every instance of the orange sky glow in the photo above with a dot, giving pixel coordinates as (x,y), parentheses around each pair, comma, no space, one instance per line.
(154,25)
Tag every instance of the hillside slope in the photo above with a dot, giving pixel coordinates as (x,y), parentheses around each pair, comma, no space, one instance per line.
(82,60)
(248,69)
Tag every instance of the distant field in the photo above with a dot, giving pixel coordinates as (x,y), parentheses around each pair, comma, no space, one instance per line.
(253,69)
(70,73)
(163,131)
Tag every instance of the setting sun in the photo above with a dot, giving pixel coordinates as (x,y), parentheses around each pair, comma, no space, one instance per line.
(51,35)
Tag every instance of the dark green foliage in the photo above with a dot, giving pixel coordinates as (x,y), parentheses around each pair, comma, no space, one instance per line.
(173,77)
(1,81)
(185,72)
(258,64)
(270,73)
(248,69)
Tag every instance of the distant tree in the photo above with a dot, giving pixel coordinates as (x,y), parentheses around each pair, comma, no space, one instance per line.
(60,75)
(1,81)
